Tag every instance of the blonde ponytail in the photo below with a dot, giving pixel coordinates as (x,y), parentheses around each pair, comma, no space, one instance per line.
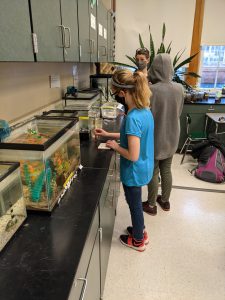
(135,83)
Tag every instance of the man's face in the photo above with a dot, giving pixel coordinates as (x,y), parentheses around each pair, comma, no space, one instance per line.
(141,58)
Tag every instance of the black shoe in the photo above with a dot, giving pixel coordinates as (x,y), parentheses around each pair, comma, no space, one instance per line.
(165,205)
(149,210)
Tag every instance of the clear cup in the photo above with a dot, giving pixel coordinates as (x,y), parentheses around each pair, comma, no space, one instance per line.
(98,123)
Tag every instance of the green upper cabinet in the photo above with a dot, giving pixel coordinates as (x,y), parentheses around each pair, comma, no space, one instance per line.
(55,26)
(87,20)
(111,37)
(47,26)
(15,31)
(84,24)
(93,31)
(102,32)
(70,23)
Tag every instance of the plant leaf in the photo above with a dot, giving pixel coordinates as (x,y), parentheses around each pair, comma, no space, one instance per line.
(163,32)
(186,61)
(122,64)
(152,48)
(161,48)
(141,41)
(177,57)
(192,74)
(132,59)
(176,78)
(169,48)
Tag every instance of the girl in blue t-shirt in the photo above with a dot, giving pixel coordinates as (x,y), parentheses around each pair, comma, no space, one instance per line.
(136,149)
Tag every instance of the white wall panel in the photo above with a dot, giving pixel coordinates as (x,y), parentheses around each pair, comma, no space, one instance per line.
(213,32)
(134,16)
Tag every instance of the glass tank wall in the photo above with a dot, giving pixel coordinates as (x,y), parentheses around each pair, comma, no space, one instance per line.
(49,153)
(12,205)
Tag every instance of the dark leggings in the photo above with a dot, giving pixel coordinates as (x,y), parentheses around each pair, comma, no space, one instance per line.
(162,167)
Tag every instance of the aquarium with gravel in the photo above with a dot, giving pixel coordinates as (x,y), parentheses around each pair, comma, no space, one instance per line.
(12,205)
(49,154)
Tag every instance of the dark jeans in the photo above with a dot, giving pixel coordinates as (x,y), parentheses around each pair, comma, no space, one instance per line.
(133,198)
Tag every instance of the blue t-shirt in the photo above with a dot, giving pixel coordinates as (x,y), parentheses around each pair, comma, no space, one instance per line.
(138,122)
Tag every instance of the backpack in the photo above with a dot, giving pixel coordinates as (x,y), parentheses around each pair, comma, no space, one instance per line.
(213,169)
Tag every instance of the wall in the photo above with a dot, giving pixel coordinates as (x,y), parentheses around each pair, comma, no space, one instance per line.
(25,87)
(214,23)
(133,17)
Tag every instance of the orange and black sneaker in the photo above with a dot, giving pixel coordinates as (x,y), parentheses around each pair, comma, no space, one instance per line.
(146,238)
(130,242)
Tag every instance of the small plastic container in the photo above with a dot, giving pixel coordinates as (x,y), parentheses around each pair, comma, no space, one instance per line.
(109,110)
(84,123)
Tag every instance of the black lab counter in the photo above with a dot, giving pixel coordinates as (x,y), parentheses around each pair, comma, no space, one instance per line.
(41,260)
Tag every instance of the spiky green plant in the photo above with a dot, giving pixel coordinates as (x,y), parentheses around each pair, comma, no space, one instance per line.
(163,49)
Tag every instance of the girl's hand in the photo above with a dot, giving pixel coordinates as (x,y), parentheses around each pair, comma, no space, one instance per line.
(100,132)
(112,144)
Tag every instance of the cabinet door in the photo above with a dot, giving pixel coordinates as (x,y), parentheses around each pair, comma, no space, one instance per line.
(84,30)
(15,32)
(80,281)
(70,22)
(107,219)
(93,32)
(46,18)
(92,291)
(102,32)
(110,37)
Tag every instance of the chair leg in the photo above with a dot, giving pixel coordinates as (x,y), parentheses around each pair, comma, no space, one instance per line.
(185,143)
(185,151)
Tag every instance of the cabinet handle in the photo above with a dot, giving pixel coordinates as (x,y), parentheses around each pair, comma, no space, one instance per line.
(100,234)
(63,36)
(80,50)
(84,288)
(92,46)
(35,43)
(69,33)
(105,52)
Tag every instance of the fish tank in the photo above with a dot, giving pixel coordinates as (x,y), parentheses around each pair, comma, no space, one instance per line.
(12,205)
(48,150)
(82,101)
(60,114)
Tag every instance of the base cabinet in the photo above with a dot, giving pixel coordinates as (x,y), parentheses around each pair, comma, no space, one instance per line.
(107,218)
(90,277)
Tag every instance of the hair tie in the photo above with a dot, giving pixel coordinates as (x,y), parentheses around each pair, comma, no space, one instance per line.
(119,85)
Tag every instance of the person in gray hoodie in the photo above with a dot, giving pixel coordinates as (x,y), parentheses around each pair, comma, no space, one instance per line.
(166,105)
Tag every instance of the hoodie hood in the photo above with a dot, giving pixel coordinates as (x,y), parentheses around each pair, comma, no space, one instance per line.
(161,69)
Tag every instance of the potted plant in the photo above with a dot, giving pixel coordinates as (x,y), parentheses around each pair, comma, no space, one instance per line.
(177,64)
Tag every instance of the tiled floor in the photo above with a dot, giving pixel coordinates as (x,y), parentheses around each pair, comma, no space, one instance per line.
(185,259)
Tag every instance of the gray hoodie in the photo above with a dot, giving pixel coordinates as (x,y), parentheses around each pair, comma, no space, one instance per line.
(166,105)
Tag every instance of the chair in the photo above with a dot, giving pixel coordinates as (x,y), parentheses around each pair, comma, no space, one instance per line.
(192,137)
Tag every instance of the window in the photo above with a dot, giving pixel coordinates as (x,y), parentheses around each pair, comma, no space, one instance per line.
(212,66)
